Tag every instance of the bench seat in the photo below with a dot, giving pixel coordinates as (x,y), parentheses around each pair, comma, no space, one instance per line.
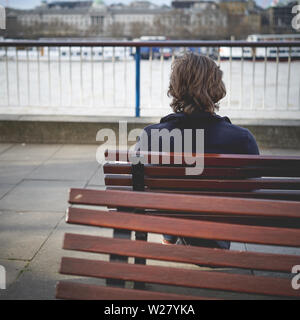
(153,213)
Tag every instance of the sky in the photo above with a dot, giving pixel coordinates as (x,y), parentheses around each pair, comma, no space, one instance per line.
(27,4)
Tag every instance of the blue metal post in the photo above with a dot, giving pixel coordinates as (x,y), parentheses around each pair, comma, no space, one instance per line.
(137,81)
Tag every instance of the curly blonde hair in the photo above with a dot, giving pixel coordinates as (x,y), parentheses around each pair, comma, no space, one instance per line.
(195,84)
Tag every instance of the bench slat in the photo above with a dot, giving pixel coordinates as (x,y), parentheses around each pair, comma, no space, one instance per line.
(183,254)
(227,160)
(185,228)
(186,203)
(151,170)
(211,184)
(244,220)
(292,195)
(180,277)
(79,291)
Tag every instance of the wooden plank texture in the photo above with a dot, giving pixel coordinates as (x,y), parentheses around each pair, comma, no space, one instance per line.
(180,277)
(225,172)
(227,160)
(186,203)
(183,254)
(185,228)
(208,184)
(243,220)
(291,195)
(80,291)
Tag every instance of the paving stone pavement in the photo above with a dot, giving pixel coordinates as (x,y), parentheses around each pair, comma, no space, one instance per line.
(34,184)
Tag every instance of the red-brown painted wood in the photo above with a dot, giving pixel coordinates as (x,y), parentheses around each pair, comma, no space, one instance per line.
(185,228)
(207,184)
(292,195)
(80,291)
(221,217)
(183,254)
(186,203)
(230,172)
(181,277)
(244,220)
(227,160)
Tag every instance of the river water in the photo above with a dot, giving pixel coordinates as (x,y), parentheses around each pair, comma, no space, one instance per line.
(107,88)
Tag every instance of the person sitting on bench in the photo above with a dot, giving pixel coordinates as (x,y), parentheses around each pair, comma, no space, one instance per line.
(196,87)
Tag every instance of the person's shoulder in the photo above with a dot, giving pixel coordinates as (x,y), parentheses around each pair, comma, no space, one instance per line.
(249,142)
(244,136)
(244,132)
(167,122)
(150,127)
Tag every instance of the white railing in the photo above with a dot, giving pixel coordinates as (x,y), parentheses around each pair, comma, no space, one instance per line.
(131,78)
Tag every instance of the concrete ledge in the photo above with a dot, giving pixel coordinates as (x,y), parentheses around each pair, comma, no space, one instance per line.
(83,129)
(62,129)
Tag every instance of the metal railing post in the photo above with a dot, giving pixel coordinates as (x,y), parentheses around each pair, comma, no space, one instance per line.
(137,81)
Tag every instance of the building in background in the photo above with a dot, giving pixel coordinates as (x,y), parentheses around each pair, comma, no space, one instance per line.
(279,17)
(184,19)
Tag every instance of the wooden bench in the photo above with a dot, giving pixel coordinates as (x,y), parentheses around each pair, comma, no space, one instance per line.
(246,176)
(163,213)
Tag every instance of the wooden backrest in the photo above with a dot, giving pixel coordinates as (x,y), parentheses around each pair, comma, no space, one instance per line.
(275,177)
(155,209)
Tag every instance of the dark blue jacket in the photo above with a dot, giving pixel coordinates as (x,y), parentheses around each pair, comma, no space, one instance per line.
(220,136)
